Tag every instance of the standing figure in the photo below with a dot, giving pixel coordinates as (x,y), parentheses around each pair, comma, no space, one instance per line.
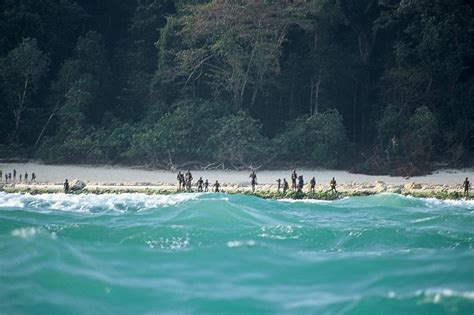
(188,180)
(33,177)
(1,175)
(6,178)
(253,182)
(26,177)
(300,183)
(10,177)
(199,183)
(312,184)
(333,185)
(20,178)
(216,186)
(279,184)
(66,186)
(466,186)
(206,186)
(285,185)
(293,180)
(14,174)
(180,181)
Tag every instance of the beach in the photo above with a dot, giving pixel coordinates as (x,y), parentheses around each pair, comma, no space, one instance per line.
(126,179)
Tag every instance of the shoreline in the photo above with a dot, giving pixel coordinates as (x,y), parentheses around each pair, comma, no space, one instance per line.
(442,184)
(442,192)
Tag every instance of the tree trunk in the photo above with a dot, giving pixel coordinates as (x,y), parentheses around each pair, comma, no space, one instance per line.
(45,126)
(354,108)
(316,96)
(18,112)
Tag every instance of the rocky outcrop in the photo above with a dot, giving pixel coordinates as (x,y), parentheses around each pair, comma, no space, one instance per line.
(77,184)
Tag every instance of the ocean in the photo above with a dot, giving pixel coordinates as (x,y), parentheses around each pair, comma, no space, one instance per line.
(234,254)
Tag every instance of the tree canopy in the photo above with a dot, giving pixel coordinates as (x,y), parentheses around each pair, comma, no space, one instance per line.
(380,86)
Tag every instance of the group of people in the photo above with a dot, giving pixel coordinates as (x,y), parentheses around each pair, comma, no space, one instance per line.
(11,177)
(185,183)
(297,184)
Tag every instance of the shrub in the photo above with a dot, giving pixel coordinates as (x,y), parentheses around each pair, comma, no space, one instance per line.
(320,139)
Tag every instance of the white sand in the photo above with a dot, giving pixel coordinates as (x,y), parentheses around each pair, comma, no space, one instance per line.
(109,174)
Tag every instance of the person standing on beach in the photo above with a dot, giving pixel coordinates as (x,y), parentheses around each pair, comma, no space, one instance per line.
(20,178)
(10,177)
(206,186)
(253,182)
(199,183)
(1,175)
(180,182)
(300,183)
(33,177)
(333,185)
(279,184)
(216,186)
(14,175)
(285,185)
(26,177)
(6,178)
(312,184)
(66,186)
(466,186)
(294,176)
(188,179)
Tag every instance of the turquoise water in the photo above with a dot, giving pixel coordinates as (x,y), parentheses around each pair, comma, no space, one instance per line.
(217,253)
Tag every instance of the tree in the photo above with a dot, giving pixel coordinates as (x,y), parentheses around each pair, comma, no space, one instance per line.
(23,69)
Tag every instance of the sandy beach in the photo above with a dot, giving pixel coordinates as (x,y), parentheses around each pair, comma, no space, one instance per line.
(117,179)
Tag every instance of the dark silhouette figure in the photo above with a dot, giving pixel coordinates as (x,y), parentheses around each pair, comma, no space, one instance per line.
(188,178)
(279,184)
(285,185)
(179,177)
(253,182)
(216,186)
(66,186)
(300,183)
(33,177)
(10,177)
(294,176)
(333,185)
(199,183)
(6,178)
(14,174)
(20,178)
(312,184)
(206,186)
(1,175)
(466,186)
(26,177)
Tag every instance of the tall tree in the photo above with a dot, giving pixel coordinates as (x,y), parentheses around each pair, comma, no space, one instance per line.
(22,71)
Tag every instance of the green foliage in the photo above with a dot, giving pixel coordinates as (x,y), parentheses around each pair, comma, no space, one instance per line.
(179,135)
(239,82)
(238,140)
(21,72)
(320,139)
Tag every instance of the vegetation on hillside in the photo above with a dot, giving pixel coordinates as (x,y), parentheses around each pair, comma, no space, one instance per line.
(378,86)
